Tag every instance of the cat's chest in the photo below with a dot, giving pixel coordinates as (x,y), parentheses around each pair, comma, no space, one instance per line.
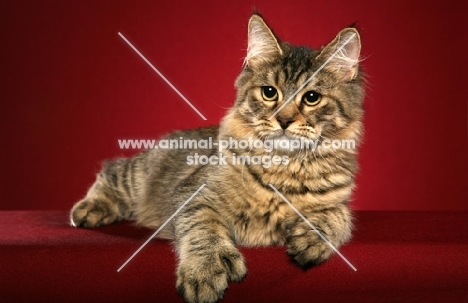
(255,212)
(260,223)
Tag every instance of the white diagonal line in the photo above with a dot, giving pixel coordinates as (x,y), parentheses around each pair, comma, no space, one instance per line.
(162,76)
(313,227)
(311,77)
(162,226)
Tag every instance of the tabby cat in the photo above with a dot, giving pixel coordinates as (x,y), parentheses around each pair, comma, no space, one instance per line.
(237,206)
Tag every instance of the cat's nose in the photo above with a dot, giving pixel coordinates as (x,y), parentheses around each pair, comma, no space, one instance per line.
(285,122)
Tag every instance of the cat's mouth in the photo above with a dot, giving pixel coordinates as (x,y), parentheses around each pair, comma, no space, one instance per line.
(288,141)
(285,134)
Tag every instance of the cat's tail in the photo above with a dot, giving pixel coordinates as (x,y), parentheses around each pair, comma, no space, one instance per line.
(113,195)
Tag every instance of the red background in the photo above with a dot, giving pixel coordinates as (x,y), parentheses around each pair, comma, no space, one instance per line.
(71,87)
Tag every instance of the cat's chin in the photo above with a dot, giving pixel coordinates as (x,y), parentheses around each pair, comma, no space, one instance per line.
(286,143)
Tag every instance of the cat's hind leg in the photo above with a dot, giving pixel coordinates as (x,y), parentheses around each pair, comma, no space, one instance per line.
(110,197)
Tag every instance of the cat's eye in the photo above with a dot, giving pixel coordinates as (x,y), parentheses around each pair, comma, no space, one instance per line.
(311,98)
(269,93)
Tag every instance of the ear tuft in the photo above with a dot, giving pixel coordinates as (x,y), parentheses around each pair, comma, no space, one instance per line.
(262,44)
(343,54)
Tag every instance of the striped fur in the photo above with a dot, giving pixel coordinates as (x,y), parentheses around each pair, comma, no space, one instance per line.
(237,206)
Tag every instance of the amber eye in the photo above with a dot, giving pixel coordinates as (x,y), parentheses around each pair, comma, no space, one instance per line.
(269,93)
(311,98)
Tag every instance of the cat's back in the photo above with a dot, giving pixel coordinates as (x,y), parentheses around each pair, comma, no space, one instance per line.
(170,163)
(178,154)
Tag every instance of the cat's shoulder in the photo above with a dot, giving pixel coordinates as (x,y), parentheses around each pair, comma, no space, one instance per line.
(195,133)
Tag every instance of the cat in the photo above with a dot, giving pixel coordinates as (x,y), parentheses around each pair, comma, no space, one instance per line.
(238,204)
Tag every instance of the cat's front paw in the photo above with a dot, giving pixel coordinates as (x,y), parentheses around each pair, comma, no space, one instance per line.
(204,277)
(308,249)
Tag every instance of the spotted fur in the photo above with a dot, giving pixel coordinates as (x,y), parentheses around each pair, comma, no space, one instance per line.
(238,206)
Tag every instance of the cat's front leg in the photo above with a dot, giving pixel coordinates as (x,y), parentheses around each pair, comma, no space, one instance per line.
(305,245)
(208,258)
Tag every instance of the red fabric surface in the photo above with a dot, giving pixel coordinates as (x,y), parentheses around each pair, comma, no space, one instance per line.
(399,256)
(71,87)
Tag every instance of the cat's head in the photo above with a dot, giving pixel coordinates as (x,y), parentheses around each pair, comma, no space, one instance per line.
(287,92)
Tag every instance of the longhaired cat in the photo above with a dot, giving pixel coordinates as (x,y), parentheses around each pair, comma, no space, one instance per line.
(238,204)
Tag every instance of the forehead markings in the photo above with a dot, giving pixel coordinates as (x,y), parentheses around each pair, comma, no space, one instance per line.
(314,74)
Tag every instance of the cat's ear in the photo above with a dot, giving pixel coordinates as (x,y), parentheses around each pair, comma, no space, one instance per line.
(343,55)
(263,46)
